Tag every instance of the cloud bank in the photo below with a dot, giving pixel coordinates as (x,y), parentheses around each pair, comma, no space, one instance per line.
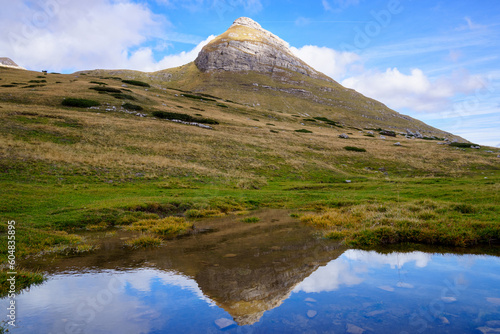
(63,36)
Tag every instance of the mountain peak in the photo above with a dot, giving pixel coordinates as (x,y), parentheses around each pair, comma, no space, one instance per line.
(248,22)
(7,62)
(246,46)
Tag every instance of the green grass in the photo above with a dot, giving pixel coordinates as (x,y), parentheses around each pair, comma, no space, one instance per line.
(250,220)
(424,221)
(144,241)
(23,280)
(168,227)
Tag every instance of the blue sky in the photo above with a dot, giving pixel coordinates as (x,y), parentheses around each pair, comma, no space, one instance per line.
(437,61)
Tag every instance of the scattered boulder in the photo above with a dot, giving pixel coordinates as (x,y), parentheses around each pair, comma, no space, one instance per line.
(344,136)
(348,181)
(382,137)
(475,147)
(397,144)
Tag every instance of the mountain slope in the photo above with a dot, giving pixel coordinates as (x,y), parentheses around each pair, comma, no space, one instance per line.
(251,66)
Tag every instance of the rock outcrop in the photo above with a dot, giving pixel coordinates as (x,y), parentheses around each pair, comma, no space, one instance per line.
(246,46)
(7,62)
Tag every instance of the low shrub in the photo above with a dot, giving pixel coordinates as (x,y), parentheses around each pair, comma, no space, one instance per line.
(303,131)
(183,117)
(354,149)
(144,241)
(121,96)
(131,106)
(167,227)
(136,83)
(106,89)
(463,145)
(197,97)
(79,103)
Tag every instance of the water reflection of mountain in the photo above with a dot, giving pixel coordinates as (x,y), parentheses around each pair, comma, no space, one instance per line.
(246,269)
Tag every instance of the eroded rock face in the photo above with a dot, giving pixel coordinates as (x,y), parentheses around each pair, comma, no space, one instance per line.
(246,46)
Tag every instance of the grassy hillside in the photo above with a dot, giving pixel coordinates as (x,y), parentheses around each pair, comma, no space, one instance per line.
(287,94)
(65,168)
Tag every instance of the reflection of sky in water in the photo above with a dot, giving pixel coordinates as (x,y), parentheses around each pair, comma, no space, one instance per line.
(391,293)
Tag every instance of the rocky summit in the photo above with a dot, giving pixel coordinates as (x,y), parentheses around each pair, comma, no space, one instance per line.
(246,46)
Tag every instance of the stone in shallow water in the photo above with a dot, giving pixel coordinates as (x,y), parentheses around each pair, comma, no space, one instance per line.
(492,300)
(386,288)
(311,314)
(224,323)
(375,313)
(487,330)
(353,329)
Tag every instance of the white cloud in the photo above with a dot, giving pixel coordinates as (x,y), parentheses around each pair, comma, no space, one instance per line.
(62,35)
(143,59)
(329,61)
(470,25)
(394,260)
(331,277)
(415,91)
(221,6)
(339,4)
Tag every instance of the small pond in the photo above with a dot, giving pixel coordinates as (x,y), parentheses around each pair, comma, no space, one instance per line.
(274,276)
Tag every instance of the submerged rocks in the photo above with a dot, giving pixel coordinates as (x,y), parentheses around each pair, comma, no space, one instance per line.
(224,323)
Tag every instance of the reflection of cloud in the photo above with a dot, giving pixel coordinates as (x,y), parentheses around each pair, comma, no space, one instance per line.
(346,270)
(395,260)
(142,280)
(330,277)
(101,302)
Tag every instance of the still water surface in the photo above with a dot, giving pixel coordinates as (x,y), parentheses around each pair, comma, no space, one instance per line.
(279,278)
